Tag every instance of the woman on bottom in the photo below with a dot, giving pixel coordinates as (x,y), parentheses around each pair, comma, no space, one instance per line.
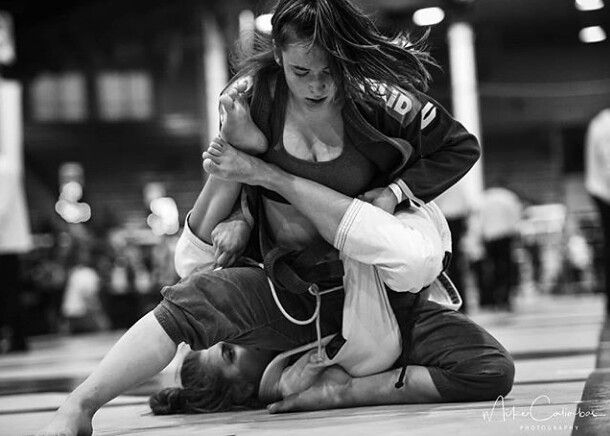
(233,317)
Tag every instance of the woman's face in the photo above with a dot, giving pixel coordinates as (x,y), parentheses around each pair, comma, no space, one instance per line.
(236,363)
(307,74)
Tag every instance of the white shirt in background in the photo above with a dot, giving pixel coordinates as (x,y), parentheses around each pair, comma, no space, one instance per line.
(15,234)
(597,156)
(81,295)
(500,213)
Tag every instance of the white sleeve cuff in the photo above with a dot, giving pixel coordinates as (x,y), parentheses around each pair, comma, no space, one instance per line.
(346,223)
(192,252)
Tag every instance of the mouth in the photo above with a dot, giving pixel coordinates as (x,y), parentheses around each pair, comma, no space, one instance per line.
(316,100)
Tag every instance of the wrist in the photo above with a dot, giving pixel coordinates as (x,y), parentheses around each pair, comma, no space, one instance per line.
(345,394)
(272,177)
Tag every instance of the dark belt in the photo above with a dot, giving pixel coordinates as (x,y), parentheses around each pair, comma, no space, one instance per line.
(319,266)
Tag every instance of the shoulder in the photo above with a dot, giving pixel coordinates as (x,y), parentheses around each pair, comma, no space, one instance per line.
(405,105)
(397,101)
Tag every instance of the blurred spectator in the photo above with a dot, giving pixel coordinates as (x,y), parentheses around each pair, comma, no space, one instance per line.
(474,251)
(81,305)
(530,241)
(162,271)
(597,182)
(499,217)
(15,237)
(456,205)
(577,268)
(128,280)
(48,276)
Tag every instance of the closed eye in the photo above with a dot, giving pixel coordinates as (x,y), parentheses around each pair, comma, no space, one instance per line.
(228,355)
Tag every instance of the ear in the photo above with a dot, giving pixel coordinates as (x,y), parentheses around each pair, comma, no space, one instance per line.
(242,391)
(277,55)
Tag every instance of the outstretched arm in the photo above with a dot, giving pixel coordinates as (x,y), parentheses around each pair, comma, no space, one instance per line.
(143,351)
(336,389)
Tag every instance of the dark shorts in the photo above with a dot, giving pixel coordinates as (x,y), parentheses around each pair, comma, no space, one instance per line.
(235,305)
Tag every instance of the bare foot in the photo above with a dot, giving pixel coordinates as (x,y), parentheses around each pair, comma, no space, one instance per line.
(68,422)
(237,127)
(228,163)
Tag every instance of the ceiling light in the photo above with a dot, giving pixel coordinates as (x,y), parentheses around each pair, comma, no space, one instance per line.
(589,5)
(263,23)
(428,16)
(592,34)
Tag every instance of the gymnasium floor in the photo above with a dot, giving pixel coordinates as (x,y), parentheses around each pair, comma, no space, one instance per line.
(562,387)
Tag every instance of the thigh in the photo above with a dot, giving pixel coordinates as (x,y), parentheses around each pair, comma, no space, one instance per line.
(464,361)
(236,305)
(445,338)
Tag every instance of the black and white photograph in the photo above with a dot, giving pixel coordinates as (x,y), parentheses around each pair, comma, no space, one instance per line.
(304,217)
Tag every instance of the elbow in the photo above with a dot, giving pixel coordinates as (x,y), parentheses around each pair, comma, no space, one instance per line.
(475,148)
(417,271)
(180,265)
(428,268)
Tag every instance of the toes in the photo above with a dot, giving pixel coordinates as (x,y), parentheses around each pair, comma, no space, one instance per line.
(233,92)
(226,101)
(241,86)
(219,143)
(213,151)
(209,166)
(208,156)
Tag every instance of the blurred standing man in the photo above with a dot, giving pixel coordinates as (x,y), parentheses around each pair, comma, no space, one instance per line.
(500,216)
(15,238)
(597,182)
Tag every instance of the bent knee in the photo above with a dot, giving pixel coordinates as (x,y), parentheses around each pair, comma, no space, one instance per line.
(496,378)
(478,379)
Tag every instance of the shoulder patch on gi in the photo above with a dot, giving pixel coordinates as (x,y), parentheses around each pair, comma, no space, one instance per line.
(401,105)
(428,116)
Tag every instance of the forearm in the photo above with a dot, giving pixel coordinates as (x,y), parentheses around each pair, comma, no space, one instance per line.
(214,204)
(336,389)
(380,389)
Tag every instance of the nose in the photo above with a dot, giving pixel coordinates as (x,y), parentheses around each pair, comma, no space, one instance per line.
(318,86)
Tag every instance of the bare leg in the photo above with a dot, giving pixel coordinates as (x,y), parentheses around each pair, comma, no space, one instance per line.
(323,206)
(213,205)
(217,197)
(143,351)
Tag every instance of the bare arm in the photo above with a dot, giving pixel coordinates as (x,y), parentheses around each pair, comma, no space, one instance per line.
(336,389)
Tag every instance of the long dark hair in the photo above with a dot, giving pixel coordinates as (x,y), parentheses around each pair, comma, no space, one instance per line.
(202,392)
(360,57)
